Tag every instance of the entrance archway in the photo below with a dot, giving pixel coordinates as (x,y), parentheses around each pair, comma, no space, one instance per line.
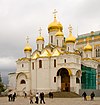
(65,79)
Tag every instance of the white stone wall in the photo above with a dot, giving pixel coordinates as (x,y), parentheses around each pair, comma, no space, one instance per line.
(12,80)
(40,45)
(60,40)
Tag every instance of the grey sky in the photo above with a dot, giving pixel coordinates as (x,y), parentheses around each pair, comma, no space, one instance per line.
(21,18)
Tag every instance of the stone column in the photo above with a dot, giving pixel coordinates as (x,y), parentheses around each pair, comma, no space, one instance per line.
(59,83)
(73,83)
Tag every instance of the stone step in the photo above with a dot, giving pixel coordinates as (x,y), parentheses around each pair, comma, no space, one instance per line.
(64,95)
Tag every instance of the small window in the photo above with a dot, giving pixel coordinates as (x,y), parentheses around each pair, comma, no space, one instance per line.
(54,79)
(54,62)
(22,65)
(77,80)
(37,46)
(57,42)
(68,48)
(64,60)
(51,39)
(32,65)
(22,82)
(42,46)
(40,63)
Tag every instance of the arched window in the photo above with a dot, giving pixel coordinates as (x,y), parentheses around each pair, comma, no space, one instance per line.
(40,63)
(37,46)
(57,42)
(68,48)
(22,65)
(23,82)
(77,80)
(51,39)
(96,52)
(42,45)
(54,62)
(99,52)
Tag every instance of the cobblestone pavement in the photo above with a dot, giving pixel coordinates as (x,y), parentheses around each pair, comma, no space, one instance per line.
(54,101)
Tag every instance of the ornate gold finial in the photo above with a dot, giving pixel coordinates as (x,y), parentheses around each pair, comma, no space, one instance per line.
(55,11)
(40,31)
(70,29)
(27,39)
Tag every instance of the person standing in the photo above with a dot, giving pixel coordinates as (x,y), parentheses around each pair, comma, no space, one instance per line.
(42,98)
(13,96)
(84,95)
(31,98)
(92,96)
(37,98)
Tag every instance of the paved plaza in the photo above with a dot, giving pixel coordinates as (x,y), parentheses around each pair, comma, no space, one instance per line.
(54,101)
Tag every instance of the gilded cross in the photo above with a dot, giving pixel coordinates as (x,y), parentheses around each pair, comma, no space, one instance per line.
(40,30)
(70,28)
(27,39)
(55,11)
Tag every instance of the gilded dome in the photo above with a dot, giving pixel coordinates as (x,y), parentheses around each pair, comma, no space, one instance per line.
(59,33)
(88,47)
(71,38)
(55,25)
(40,38)
(27,48)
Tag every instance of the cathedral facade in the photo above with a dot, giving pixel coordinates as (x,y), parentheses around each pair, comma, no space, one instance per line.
(57,66)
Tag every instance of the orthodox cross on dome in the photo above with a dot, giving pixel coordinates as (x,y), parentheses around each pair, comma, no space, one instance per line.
(55,11)
(27,39)
(40,31)
(70,29)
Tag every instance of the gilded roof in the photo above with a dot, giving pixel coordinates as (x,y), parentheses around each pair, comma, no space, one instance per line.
(59,33)
(45,53)
(88,47)
(40,38)
(56,52)
(35,56)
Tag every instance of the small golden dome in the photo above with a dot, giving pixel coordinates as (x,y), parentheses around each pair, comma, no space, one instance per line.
(27,47)
(40,38)
(71,38)
(88,47)
(59,33)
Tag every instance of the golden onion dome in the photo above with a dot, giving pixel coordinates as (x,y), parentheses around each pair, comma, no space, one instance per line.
(27,47)
(55,25)
(40,38)
(59,33)
(71,38)
(88,47)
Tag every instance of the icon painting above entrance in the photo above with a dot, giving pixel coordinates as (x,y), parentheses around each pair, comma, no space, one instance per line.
(64,79)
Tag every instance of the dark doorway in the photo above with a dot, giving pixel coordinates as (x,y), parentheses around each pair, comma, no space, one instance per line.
(65,79)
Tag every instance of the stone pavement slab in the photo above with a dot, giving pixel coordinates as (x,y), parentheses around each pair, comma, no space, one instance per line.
(54,101)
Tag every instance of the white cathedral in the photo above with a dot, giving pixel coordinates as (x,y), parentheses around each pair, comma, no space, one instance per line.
(52,67)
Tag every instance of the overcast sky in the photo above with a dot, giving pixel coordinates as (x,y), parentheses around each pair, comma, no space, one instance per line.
(21,18)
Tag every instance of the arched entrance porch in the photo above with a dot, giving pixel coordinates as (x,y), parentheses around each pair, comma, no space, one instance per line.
(63,79)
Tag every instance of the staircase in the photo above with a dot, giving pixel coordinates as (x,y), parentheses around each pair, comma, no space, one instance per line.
(64,95)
